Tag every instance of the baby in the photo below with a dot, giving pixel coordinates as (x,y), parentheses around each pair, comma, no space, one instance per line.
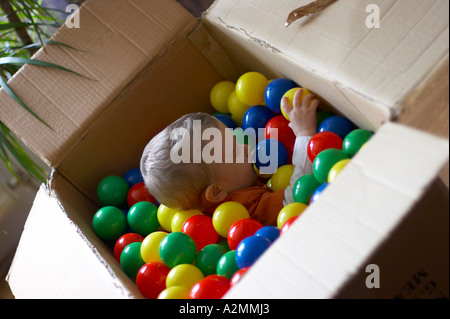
(183,171)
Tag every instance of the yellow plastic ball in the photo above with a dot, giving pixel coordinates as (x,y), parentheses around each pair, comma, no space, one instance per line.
(237,108)
(250,88)
(150,246)
(227,214)
(265,176)
(290,95)
(219,95)
(165,215)
(181,216)
(175,292)
(289,211)
(336,170)
(184,275)
(282,177)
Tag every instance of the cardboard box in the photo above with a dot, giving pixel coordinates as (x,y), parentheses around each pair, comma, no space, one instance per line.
(150,61)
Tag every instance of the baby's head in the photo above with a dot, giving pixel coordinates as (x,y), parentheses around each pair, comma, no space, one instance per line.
(195,163)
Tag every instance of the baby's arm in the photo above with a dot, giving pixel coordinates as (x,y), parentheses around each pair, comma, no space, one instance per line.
(302,117)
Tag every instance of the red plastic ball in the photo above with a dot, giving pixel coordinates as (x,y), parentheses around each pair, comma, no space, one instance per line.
(139,193)
(200,228)
(124,241)
(210,287)
(322,141)
(287,225)
(284,133)
(238,275)
(240,230)
(151,279)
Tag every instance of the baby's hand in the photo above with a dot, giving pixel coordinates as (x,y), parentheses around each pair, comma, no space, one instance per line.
(302,115)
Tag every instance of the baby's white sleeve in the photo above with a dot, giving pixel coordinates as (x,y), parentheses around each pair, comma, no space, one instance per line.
(302,165)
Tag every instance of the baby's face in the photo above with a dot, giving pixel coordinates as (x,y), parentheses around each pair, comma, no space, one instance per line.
(236,171)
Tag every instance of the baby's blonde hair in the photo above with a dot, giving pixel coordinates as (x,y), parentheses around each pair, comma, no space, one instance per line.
(177,185)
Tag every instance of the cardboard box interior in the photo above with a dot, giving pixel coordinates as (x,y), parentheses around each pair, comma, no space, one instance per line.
(140,83)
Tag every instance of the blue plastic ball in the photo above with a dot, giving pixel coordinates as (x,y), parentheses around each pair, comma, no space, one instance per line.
(315,196)
(250,249)
(270,154)
(275,91)
(269,232)
(337,124)
(257,117)
(133,176)
(227,120)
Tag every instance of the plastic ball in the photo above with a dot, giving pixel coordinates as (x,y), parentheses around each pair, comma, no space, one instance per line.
(150,246)
(282,177)
(244,138)
(288,224)
(184,275)
(275,91)
(200,228)
(238,276)
(219,95)
(250,249)
(336,170)
(112,191)
(151,279)
(322,141)
(257,117)
(210,287)
(208,257)
(133,176)
(324,161)
(165,215)
(278,128)
(250,88)
(241,229)
(109,223)
(142,218)
(177,248)
(337,124)
(288,211)
(131,260)
(269,155)
(226,214)
(290,95)
(124,241)
(139,193)
(227,265)
(237,108)
(180,218)
(321,116)
(355,140)
(316,195)
(269,232)
(174,292)
(226,120)
(304,187)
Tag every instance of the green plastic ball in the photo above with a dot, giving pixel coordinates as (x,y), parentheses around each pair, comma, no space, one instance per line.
(355,140)
(208,257)
(131,260)
(227,265)
(143,218)
(304,187)
(177,248)
(324,161)
(113,191)
(109,223)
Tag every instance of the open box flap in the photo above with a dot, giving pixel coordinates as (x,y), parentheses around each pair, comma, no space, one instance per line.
(337,56)
(332,239)
(118,40)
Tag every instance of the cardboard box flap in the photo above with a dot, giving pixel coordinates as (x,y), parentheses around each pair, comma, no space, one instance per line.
(353,62)
(330,242)
(117,40)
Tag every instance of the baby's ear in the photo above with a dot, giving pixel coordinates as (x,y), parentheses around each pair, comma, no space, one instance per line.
(215,194)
